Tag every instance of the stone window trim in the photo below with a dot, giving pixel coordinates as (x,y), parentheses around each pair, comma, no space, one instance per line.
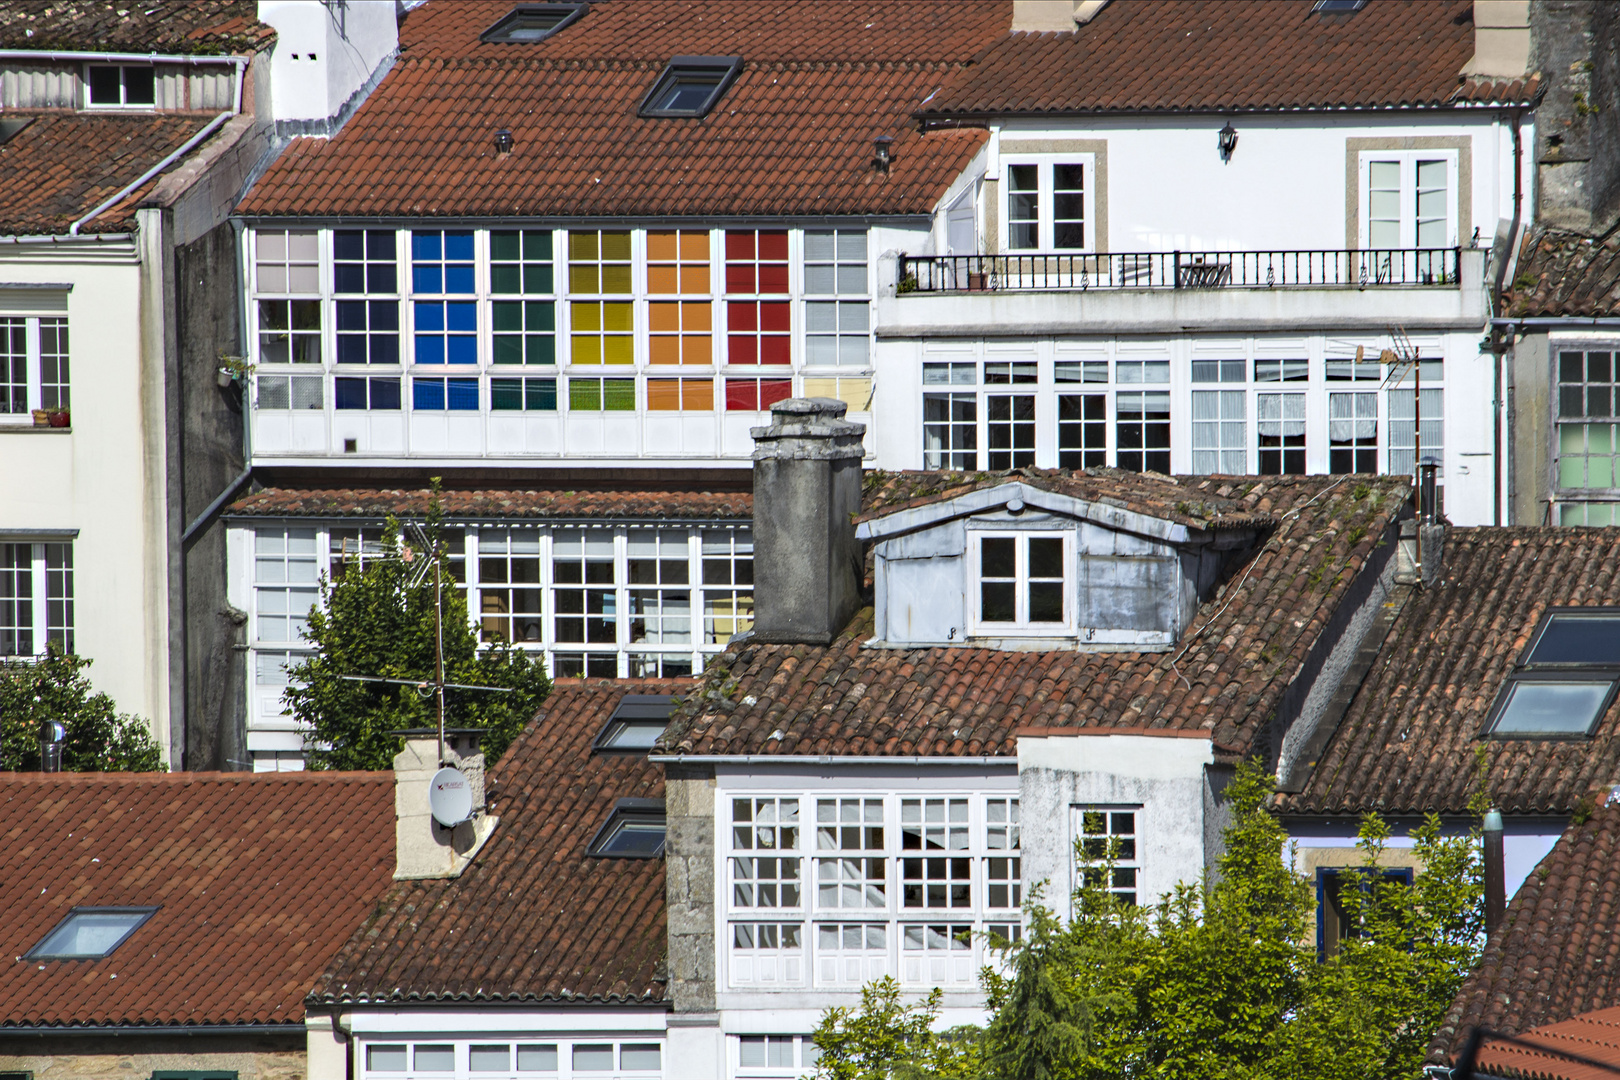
(994,188)
(1356,150)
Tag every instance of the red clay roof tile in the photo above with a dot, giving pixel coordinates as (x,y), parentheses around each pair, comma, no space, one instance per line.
(161,26)
(533,918)
(1565,274)
(483,505)
(258,877)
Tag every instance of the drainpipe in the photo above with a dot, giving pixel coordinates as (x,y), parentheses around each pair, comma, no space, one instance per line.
(1499,346)
(123,193)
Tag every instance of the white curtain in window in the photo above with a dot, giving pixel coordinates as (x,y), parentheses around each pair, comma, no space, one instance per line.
(1352,416)
(1281,415)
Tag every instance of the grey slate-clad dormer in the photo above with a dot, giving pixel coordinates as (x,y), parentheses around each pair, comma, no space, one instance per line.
(1015,566)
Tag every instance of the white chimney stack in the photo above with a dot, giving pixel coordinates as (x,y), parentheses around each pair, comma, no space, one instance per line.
(1501,39)
(423,848)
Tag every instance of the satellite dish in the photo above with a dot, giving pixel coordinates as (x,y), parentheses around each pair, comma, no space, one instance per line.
(450,797)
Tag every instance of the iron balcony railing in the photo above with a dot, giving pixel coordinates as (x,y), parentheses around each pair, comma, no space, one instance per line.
(1402,267)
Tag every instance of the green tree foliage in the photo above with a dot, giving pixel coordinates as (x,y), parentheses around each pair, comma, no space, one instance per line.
(372,621)
(55,687)
(1219,981)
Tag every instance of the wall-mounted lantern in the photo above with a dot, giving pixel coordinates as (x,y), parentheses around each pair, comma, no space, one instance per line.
(1228,141)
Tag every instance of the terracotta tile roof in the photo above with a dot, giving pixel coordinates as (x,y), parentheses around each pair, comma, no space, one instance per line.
(1152,55)
(1227,675)
(1557,955)
(1562,273)
(533,918)
(258,879)
(483,505)
(1406,745)
(1190,501)
(1594,1036)
(162,26)
(793,135)
(62,165)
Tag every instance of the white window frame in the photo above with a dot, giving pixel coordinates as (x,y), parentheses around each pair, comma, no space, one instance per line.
(39,598)
(462,1046)
(122,104)
(1021,627)
(1046,240)
(1137,864)
(33,366)
(1407,160)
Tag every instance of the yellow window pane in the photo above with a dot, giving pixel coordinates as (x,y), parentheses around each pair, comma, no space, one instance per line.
(694,246)
(695,278)
(584,279)
(665,350)
(856,393)
(616,245)
(616,279)
(587,316)
(697,349)
(822,388)
(662,279)
(661,246)
(618,350)
(583,246)
(664,318)
(587,349)
(697,395)
(663,395)
(618,317)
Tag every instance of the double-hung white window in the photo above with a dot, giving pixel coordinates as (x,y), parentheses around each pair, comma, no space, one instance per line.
(33,366)
(1019,582)
(1050,203)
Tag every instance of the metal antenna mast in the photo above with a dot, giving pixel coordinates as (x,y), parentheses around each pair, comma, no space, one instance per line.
(436,686)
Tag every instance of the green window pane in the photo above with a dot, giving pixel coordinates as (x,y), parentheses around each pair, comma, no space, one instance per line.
(540,349)
(508,316)
(537,246)
(1599,439)
(540,395)
(504,246)
(615,279)
(540,314)
(537,277)
(620,395)
(585,395)
(506,395)
(508,349)
(1571,439)
(505,279)
(1600,471)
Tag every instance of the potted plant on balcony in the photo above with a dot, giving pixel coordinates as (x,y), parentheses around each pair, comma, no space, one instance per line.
(60,418)
(232,369)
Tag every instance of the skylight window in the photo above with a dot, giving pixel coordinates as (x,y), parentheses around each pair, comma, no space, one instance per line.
(529,23)
(690,85)
(635,830)
(1338,7)
(635,724)
(90,933)
(1565,681)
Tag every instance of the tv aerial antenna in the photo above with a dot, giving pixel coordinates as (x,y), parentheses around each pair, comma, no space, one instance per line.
(424,558)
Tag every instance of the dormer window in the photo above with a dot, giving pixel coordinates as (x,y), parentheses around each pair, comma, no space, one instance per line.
(529,23)
(1022,582)
(120,86)
(690,86)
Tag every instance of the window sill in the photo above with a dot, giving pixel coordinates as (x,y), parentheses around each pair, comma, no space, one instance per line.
(34,429)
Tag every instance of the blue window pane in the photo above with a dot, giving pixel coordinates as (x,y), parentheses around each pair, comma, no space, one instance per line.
(384,315)
(380,277)
(429,316)
(427,279)
(463,350)
(351,349)
(385,393)
(462,318)
(429,349)
(380,244)
(463,395)
(350,393)
(348,245)
(427,394)
(426,245)
(349,277)
(458,279)
(458,245)
(384,350)
(540,395)
(351,315)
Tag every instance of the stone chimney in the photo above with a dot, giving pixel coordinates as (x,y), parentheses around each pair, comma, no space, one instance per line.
(1501,39)
(1053,16)
(422,847)
(1575,47)
(807,491)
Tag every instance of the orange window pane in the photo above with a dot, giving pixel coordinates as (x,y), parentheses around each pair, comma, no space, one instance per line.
(663,395)
(681,332)
(678,262)
(697,395)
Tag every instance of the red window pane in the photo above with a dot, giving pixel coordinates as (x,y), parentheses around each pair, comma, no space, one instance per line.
(756,261)
(775,318)
(775,350)
(742,395)
(742,316)
(773,390)
(773,246)
(757,332)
